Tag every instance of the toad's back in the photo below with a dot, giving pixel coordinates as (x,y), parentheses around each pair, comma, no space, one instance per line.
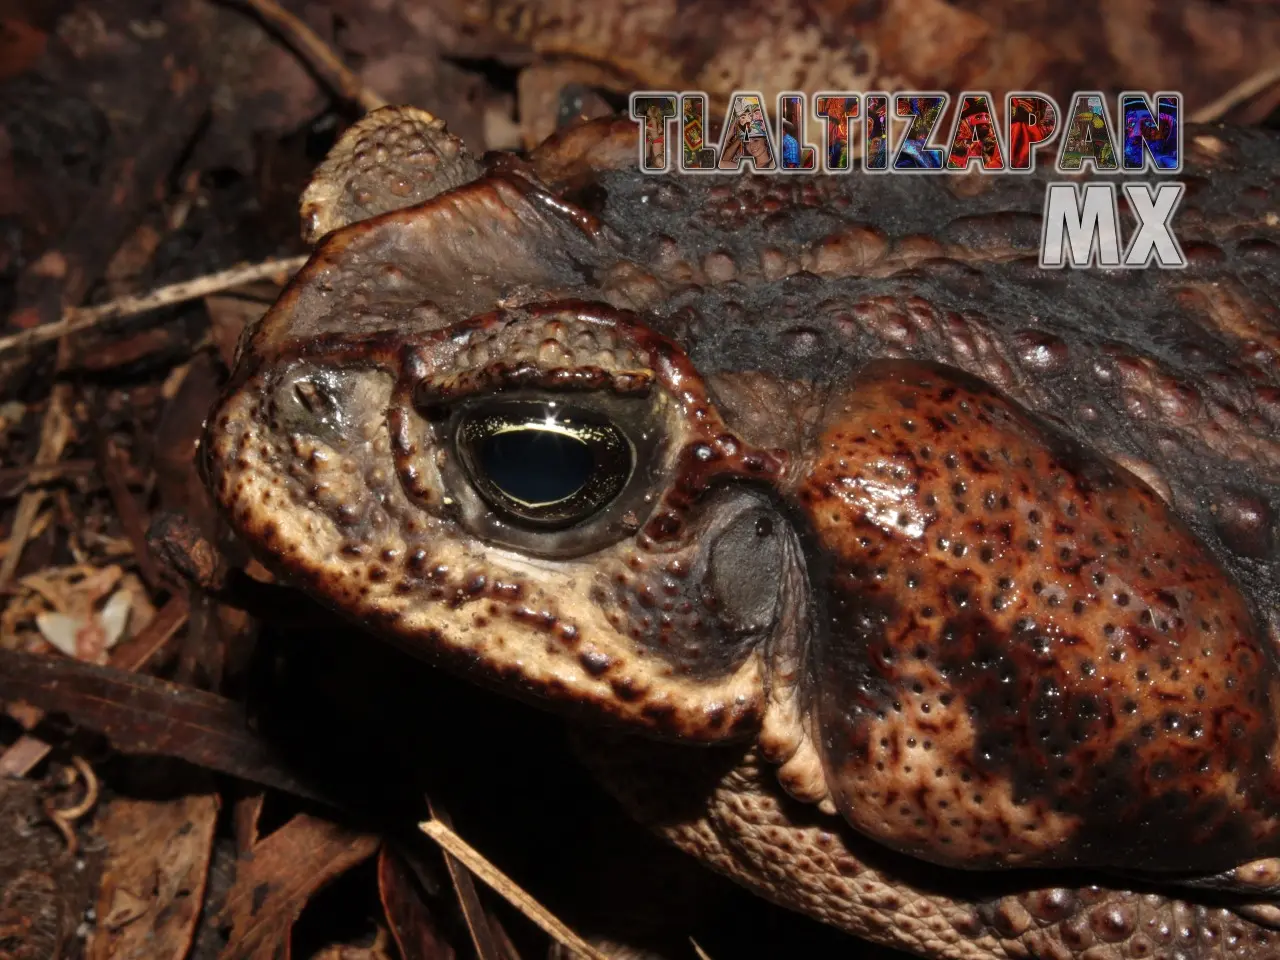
(1174,373)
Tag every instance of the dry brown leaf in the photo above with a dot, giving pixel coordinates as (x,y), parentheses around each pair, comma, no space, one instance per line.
(277,877)
(154,879)
(132,259)
(411,923)
(81,610)
(73,590)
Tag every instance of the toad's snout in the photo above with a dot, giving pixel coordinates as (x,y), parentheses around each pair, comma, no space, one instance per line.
(1022,656)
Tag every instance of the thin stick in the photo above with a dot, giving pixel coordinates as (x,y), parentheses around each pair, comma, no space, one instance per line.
(31,476)
(1237,95)
(317,54)
(473,912)
(78,319)
(508,889)
(55,431)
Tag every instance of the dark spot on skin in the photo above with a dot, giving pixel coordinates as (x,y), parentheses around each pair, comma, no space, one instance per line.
(1245,521)
(660,714)
(507,591)
(746,720)
(626,689)
(595,663)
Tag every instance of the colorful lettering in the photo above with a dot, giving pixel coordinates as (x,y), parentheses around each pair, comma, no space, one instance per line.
(1089,137)
(747,137)
(1033,122)
(797,154)
(837,109)
(875,141)
(924,111)
(653,110)
(974,135)
(695,154)
(1159,131)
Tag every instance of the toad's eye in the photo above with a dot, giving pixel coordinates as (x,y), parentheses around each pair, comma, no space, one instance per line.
(543,465)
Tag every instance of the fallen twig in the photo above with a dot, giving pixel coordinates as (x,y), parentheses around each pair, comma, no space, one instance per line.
(30,476)
(128,510)
(473,913)
(54,434)
(317,54)
(508,889)
(78,319)
(1246,89)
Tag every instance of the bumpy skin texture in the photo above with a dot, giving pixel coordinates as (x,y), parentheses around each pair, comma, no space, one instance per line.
(730,814)
(382,168)
(1026,650)
(980,558)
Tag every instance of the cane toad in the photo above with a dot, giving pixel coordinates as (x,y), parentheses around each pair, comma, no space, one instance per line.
(962,573)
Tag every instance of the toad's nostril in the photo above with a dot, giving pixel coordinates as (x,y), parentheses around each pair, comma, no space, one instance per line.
(310,401)
(1028,673)
(314,398)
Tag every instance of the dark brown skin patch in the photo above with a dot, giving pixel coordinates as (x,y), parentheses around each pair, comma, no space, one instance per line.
(1026,659)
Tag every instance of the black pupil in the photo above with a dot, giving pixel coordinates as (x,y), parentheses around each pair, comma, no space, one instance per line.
(542,464)
(536,465)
